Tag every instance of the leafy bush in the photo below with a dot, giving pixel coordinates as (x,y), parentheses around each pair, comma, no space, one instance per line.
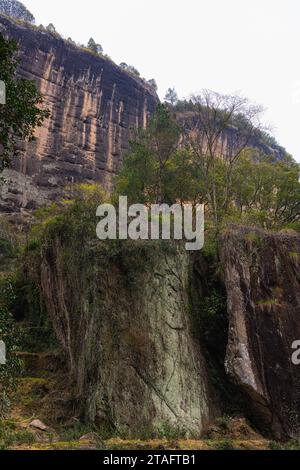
(73,217)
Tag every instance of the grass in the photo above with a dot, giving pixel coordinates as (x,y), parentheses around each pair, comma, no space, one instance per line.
(290,445)
(10,435)
(225,444)
(75,432)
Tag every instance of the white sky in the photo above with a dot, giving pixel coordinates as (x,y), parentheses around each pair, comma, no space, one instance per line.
(251,46)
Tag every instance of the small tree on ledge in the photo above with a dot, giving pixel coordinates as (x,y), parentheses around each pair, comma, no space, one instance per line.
(94,47)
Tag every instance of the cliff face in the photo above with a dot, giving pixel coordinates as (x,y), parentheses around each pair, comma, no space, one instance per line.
(93,103)
(125,324)
(126,316)
(262,272)
(230,139)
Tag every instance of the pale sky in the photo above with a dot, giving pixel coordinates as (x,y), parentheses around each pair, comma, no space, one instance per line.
(247,46)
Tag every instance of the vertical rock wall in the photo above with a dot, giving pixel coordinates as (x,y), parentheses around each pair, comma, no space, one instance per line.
(262,272)
(125,323)
(94,107)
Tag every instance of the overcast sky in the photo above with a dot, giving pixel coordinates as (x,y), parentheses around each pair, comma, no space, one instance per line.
(251,46)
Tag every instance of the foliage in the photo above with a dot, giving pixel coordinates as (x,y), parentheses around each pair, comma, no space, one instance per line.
(289,445)
(22,111)
(9,243)
(225,444)
(171,96)
(266,190)
(34,326)
(8,334)
(146,174)
(51,28)
(236,184)
(17,10)
(130,68)
(153,84)
(94,47)
(73,217)
(10,435)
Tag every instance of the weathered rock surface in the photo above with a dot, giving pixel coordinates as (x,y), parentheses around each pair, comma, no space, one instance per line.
(38,424)
(94,105)
(125,323)
(262,273)
(125,315)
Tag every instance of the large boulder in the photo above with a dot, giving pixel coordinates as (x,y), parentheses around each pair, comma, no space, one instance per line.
(122,314)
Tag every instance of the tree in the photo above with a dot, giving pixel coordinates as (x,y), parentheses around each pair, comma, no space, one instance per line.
(213,163)
(146,176)
(16,10)
(266,191)
(133,70)
(153,84)
(129,68)
(51,28)
(171,96)
(22,111)
(221,128)
(94,47)
(99,49)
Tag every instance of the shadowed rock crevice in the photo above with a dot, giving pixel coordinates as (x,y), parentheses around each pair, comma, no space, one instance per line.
(263,289)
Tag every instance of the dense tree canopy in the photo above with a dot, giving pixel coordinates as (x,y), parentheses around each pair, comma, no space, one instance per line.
(239,184)
(22,111)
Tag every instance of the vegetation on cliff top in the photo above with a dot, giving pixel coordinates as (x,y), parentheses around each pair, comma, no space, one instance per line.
(235,182)
(16,10)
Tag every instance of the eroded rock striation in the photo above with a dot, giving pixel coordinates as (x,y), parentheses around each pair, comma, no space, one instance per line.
(262,273)
(126,316)
(94,106)
(125,324)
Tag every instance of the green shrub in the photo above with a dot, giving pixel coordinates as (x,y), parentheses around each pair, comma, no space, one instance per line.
(225,444)
(8,334)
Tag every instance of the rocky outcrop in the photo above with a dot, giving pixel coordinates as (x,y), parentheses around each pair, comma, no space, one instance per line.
(94,106)
(130,318)
(122,314)
(262,273)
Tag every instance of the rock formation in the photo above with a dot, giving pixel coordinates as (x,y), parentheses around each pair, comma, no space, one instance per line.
(94,106)
(126,317)
(262,272)
(126,328)
(123,312)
